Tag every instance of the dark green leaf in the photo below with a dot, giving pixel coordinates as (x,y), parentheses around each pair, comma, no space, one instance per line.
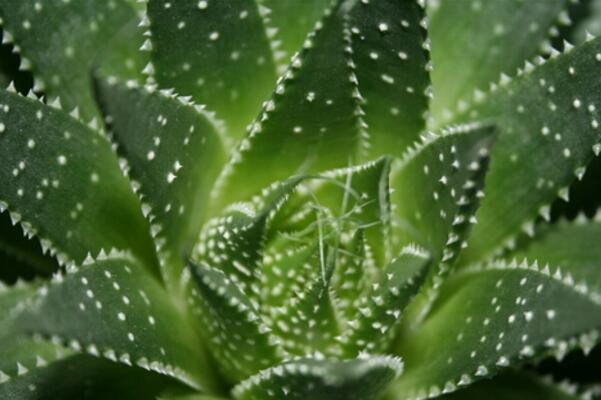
(218,52)
(549,124)
(491,317)
(173,153)
(515,385)
(61,181)
(493,37)
(358,379)
(110,307)
(62,41)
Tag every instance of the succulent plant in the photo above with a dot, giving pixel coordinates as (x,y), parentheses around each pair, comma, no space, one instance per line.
(296,199)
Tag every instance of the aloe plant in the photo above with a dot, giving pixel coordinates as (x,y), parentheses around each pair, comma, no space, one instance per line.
(316,199)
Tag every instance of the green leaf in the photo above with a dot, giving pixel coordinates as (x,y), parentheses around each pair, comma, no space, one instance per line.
(516,385)
(389,55)
(172,151)
(358,379)
(111,308)
(321,114)
(61,181)
(379,311)
(487,318)
(12,299)
(217,52)
(549,130)
(494,37)
(290,22)
(23,250)
(307,323)
(37,369)
(571,246)
(231,325)
(436,188)
(62,41)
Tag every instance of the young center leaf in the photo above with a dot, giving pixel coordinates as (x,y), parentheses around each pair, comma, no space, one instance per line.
(549,130)
(60,180)
(356,379)
(61,42)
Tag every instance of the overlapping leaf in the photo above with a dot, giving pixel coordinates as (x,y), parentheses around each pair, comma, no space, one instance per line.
(492,37)
(320,114)
(358,379)
(436,192)
(111,308)
(571,246)
(38,369)
(172,151)
(240,341)
(549,130)
(62,41)
(517,385)
(489,318)
(60,180)
(217,52)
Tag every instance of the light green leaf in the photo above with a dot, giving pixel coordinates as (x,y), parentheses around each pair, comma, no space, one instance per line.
(358,379)
(493,37)
(62,41)
(110,307)
(488,318)
(231,324)
(172,153)
(336,104)
(549,130)
(379,311)
(516,385)
(290,22)
(61,181)
(571,246)
(217,52)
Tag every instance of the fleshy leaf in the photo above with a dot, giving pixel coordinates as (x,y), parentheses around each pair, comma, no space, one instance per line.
(61,181)
(231,324)
(358,379)
(517,385)
(571,246)
(62,41)
(390,59)
(488,318)
(307,323)
(110,307)
(549,130)
(320,114)
(289,22)
(23,250)
(436,187)
(172,152)
(380,310)
(489,41)
(217,52)
(37,369)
